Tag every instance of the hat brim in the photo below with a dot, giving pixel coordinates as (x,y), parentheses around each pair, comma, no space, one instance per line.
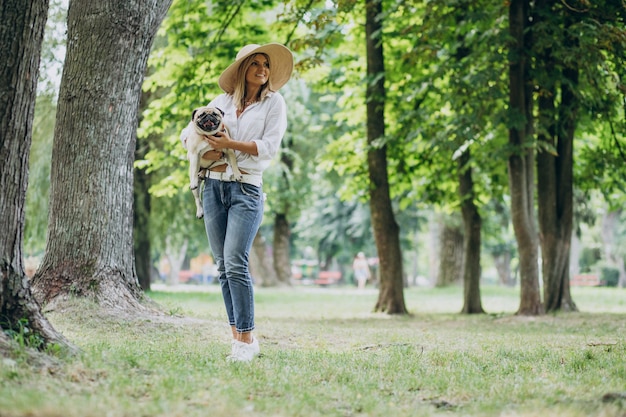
(281,67)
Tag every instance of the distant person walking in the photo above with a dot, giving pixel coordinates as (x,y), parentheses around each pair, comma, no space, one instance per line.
(361,270)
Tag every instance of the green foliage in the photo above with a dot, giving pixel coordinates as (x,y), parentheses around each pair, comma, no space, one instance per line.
(53,49)
(591,42)
(22,334)
(333,227)
(609,276)
(288,181)
(589,257)
(36,210)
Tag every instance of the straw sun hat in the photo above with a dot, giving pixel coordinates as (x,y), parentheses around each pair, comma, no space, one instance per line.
(281,65)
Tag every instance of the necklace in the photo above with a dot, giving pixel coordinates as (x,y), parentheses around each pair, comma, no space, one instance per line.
(246,103)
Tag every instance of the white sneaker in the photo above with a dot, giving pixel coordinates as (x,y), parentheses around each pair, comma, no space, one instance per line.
(244,352)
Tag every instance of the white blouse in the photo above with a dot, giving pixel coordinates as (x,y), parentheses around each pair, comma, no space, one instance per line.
(264,123)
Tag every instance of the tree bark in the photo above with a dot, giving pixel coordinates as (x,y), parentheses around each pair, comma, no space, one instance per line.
(434,241)
(521,162)
(21,35)
(89,249)
(502,262)
(450,255)
(555,189)
(261,265)
(282,230)
(386,229)
(281,249)
(472,238)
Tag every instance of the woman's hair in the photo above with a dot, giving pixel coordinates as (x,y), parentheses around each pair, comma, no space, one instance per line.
(239,92)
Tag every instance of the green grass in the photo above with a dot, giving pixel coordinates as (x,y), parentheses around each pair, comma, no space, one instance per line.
(324,353)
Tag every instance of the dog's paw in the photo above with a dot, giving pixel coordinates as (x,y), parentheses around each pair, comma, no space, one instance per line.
(199,214)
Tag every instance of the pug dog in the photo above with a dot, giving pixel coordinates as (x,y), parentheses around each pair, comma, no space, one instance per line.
(205,121)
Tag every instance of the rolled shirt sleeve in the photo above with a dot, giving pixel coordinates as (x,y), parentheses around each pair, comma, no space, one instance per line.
(275,128)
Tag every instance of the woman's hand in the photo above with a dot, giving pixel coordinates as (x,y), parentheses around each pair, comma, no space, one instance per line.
(220,140)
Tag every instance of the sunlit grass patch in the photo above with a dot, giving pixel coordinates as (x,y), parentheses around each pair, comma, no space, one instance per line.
(325,353)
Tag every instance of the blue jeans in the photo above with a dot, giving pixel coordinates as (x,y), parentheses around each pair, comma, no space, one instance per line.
(232,215)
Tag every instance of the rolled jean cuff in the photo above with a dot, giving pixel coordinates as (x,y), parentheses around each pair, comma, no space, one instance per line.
(249,329)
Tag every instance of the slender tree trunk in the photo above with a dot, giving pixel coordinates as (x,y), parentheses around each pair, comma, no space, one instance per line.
(555,171)
(434,239)
(281,249)
(282,230)
(502,262)
(621,267)
(21,35)
(472,238)
(175,258)
(521,162)
(451,254)
(386,230)
(141,209)
(90,244)
(611,254)
(141,227)
(472,222)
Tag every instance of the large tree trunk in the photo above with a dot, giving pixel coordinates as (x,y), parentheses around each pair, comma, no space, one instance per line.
(89,249)
(472,224)
(386,230)
(521,162)
(450,254)
(21,35)
(555,172)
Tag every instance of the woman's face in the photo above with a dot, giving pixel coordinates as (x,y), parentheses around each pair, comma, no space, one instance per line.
(259,71)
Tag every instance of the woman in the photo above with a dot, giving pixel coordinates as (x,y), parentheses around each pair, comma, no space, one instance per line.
(361,270)
(256,117)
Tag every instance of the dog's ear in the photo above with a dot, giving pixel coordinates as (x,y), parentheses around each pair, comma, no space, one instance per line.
(193,114)
(221,111)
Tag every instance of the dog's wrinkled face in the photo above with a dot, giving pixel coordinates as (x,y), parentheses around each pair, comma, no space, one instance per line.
(208,119)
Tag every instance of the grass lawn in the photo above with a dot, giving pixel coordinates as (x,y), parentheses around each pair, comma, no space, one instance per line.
(324,353)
